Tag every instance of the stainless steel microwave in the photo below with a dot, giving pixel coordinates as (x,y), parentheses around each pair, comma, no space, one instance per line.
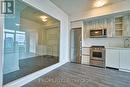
(100,33)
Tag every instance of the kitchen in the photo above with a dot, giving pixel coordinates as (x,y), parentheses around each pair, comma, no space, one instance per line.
(94,44)
(106,41)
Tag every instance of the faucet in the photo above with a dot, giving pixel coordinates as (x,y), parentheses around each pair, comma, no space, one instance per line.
(126,43)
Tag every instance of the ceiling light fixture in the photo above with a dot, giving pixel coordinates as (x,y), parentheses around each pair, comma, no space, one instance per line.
(100,3)
(44,18)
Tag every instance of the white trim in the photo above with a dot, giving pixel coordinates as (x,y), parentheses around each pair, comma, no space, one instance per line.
(1,48)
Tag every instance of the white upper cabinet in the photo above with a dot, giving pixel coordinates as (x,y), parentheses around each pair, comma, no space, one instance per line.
(110,27)
(117,26)
(85,30)
(127,25)
(122,26)
(96,24)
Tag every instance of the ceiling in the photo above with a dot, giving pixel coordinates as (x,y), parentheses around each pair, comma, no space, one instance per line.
(33,14)
(76,6)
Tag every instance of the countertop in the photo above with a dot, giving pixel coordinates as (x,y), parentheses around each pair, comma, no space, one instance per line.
(118,48)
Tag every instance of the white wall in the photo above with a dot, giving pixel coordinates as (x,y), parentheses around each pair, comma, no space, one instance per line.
(52,41)
(76,24)
(1,50)
(114,8)
(49,8)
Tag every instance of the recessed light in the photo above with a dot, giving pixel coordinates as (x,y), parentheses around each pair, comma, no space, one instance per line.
(100,3)
(44,18)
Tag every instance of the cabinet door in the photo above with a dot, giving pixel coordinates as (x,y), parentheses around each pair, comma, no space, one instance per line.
(112,58)
(125,59)
(85,59)
(86,30)
(110,27)
(119,26)
(126,26)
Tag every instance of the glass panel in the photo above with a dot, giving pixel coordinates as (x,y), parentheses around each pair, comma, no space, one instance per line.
(97,54)
(31,42)
(9,42)
(95,32)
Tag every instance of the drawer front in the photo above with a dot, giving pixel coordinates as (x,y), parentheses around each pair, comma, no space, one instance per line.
(97,63)
(125,59)
(86,51)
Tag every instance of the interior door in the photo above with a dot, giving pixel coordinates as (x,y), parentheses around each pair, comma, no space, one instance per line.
(76,45)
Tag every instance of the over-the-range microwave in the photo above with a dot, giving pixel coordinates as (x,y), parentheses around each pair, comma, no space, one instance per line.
(99,33)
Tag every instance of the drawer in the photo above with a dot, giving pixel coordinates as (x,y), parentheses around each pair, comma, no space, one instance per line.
(86,51)
(97,63)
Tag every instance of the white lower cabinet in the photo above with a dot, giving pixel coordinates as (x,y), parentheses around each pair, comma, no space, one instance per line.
(112,58)
(125,60)
(118,58)
(85,59)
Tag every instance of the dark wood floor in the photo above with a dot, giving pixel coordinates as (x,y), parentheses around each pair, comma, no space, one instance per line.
(30,65)
(76,75)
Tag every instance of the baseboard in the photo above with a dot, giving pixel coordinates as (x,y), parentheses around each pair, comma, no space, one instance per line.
(124,70)
(112,68)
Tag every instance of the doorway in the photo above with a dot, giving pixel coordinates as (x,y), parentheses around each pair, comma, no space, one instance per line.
(76,45)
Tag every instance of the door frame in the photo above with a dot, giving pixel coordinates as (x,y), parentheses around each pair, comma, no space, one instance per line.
(1,48)
(79,28)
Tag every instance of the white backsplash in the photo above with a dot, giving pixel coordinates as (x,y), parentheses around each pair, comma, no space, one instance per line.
(127,42)
(107,42)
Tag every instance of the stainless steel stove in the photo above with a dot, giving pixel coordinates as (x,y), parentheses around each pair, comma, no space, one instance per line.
(97,57)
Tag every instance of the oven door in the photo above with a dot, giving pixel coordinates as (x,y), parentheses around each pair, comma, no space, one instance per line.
(97,58)
(97,55)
